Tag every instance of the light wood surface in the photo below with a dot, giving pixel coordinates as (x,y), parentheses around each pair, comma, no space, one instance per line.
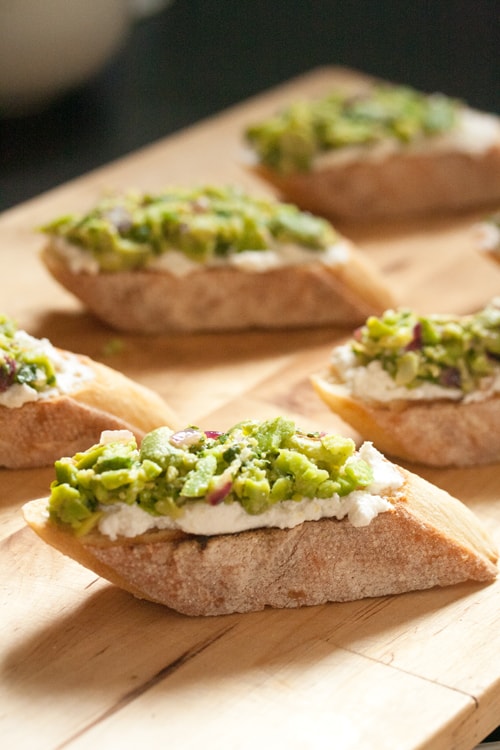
(84,665)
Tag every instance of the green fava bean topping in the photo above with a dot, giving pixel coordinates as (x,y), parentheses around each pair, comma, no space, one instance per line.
(22,361)
(449,351)
(290,140)
(255,464)
(206,224)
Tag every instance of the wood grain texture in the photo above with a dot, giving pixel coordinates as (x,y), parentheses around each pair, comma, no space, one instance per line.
(84,665)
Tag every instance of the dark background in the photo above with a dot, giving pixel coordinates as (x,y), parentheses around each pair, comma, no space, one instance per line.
(198,57)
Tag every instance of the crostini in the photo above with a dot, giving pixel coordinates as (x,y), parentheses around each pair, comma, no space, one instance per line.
(423,388)
(212,523)
(208,259)
(53,401)
(384,151)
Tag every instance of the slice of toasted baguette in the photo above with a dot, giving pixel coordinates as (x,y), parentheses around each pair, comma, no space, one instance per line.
(428,539)
(344,161)
(401,185)
(227,298)
(38,432)
(434,433)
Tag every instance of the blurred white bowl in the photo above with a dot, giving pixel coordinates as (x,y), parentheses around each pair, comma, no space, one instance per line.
(50,46)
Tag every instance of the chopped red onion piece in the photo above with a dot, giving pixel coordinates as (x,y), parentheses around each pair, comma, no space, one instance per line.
(7,373)
(416,342)
(120,218)
(450,378)
(200,205)
(190,436)
(216,496)
(213,434)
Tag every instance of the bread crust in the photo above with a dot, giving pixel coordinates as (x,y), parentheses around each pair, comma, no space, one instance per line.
(434,433)
(402,185)
(428,539)
(225,298)
(39,432)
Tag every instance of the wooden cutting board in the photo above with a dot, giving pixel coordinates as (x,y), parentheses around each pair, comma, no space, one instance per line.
(84,665)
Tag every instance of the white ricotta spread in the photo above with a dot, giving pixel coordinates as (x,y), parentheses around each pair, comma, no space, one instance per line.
(475,133)
(360,507)
(70,373)
(289,255)
(373,383)
(77,259)
(177,263)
